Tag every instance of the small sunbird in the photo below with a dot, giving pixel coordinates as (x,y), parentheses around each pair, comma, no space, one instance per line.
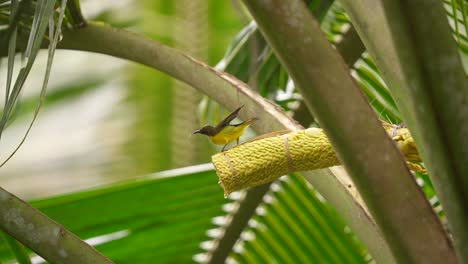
(225,133)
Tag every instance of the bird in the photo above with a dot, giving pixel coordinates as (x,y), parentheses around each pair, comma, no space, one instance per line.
(224,132)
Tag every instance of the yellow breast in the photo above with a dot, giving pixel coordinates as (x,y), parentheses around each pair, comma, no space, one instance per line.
(228,134)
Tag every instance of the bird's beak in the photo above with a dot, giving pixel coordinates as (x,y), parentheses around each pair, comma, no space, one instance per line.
(196,132)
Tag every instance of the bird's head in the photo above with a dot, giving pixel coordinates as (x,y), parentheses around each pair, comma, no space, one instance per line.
(206,130)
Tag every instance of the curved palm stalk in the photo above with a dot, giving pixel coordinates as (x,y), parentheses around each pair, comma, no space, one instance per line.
(374,163)
(230,92)
(49,239)
(430,88)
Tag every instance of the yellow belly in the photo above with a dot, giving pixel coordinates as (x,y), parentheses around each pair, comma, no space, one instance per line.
(228,134)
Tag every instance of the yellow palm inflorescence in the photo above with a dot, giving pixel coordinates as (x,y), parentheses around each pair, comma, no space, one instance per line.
(264,160)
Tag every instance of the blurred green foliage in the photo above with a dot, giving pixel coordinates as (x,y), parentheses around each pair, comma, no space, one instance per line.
(167,218)
(151,94)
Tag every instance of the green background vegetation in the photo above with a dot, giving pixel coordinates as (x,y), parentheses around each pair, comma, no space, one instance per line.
(112,159)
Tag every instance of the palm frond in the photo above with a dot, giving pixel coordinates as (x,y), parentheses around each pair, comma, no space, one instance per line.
(295,224)
(143,219)
(17,249)
(457,13)
(43,19)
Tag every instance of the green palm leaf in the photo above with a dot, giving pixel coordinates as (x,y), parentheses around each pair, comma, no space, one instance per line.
(295,224)
(161,216)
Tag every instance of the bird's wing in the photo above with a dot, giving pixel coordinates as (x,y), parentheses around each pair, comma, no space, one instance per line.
(228,119)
